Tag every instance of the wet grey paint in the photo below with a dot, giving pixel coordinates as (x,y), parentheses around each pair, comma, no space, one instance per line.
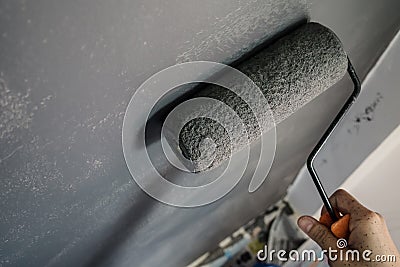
(67,71)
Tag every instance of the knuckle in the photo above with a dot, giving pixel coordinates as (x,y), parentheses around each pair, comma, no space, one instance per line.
(374,217)
(370,215)
(379,217)
(340,192)
(319,234)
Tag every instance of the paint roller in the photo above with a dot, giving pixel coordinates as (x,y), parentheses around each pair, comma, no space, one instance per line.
(290,73)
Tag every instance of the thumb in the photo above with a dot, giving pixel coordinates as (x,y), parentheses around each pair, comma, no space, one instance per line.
(317,232)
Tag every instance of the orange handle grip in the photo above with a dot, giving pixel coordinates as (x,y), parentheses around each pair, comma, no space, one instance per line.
(340,228)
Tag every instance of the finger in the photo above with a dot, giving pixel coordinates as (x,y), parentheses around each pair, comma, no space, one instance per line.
(317,232)
(345,203)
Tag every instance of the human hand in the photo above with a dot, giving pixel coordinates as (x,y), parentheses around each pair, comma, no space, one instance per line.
(368,232)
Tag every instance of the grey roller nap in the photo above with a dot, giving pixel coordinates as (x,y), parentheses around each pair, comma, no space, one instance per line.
(290,73)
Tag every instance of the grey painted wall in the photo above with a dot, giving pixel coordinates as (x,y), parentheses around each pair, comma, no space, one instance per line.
(67,72)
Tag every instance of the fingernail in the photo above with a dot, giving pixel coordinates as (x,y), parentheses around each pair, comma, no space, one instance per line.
(305,224)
